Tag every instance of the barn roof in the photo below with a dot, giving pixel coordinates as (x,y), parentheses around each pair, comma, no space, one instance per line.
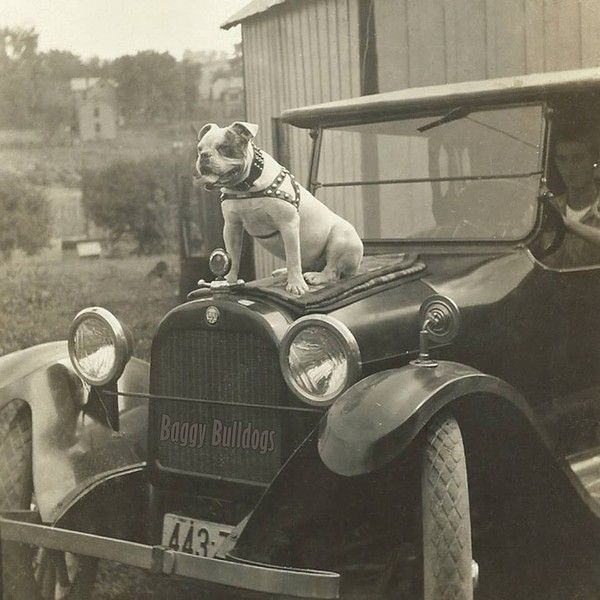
(253,8)
(390,105)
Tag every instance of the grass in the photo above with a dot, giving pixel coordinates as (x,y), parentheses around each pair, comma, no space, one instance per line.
(40,297)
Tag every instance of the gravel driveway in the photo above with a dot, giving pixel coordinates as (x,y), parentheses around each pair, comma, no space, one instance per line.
(118,582)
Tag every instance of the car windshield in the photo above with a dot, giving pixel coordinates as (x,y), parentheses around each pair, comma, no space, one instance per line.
(460,175)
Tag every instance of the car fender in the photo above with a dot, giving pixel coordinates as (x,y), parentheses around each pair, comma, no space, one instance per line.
(377,418)
(69,447)
(369,431)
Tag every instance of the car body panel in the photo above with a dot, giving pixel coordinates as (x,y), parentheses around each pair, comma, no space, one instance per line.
(69,446)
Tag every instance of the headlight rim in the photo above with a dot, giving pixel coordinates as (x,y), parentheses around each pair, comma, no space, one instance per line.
(351,349)
(121,339)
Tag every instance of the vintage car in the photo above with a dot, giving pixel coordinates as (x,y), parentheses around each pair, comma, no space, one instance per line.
(428,428)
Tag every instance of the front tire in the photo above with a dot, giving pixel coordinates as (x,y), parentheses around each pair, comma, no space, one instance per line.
(447,552)
(33,573)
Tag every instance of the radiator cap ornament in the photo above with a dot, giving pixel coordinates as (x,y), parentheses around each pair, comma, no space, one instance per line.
(212,315)
(219,263)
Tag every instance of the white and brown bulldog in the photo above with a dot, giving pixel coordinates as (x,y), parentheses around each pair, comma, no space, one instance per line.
(262,197)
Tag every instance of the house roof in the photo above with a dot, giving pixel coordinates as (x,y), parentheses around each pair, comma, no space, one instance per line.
(391,105)
(252,8)
(81,84)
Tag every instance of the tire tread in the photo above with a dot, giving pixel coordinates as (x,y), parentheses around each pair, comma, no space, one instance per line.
(446,518)
(16,485)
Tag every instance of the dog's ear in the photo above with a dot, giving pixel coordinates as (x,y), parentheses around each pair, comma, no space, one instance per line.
(194,130)
(247,130)
(205,130)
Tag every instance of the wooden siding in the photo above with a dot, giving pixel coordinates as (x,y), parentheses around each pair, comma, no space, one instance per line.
(302,53)
(425,42)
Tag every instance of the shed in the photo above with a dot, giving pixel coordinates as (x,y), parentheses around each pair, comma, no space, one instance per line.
(299,52)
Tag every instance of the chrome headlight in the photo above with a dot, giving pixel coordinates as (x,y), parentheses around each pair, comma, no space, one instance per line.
(319,359)
(99,346)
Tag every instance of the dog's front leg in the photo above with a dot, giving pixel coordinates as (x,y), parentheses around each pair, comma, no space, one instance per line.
(290,234)
(233,233)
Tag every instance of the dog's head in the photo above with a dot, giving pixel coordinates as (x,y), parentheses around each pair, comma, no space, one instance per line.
(224,153)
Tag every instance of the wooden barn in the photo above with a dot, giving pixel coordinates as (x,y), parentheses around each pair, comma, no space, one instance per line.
(299,52)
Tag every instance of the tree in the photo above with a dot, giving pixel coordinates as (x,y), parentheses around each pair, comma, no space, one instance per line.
(190,74)
(60,65)
(150,85)
(19,73)
(236,62)
(132,199)
(35,87)
(25,221)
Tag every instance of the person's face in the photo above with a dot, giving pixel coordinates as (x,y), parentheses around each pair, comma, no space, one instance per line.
(575,163)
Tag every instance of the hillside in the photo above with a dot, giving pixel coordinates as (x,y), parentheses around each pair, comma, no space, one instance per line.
(23,153)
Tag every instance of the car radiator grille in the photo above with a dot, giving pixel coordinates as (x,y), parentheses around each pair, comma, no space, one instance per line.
(231,367)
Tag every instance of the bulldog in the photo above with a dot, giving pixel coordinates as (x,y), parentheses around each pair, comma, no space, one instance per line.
(264,198)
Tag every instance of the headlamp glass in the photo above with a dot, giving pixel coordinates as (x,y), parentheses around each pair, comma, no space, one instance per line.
(318,362)
(94,348)
(320,359)
(98,346)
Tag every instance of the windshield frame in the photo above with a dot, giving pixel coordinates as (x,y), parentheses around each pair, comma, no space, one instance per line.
(313,184)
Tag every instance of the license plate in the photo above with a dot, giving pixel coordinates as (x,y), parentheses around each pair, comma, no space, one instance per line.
(193,536)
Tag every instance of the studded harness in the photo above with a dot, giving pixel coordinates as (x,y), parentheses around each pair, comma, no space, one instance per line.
(273,190)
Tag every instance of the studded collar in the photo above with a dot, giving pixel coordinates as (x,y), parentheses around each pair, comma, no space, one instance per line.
(256,169)
(273,190)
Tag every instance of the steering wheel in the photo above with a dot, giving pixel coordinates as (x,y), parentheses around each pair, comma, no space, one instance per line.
(552,232)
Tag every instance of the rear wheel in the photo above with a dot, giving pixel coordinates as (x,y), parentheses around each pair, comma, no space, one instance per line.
(33,573)
(448,567)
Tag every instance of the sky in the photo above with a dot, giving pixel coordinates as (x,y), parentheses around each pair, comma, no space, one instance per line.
(111,28)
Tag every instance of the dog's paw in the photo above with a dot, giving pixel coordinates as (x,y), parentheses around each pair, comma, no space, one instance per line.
(318,277)
(296,287)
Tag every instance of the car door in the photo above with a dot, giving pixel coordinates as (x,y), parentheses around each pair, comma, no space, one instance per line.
(575,381)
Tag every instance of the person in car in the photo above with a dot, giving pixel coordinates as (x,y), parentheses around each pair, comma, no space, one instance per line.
(575,154)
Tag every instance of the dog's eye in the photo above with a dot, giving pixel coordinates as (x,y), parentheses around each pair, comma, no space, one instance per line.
(227,150)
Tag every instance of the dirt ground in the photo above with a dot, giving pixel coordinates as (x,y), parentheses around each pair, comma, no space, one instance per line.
(117,582)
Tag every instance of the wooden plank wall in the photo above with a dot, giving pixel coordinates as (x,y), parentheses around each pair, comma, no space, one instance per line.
(298,53)
(426,42)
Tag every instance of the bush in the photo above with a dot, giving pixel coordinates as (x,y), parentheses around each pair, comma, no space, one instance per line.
(133,198)
(25,220)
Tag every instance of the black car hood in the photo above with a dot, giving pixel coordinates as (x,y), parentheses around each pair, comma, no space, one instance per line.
(376,273)
(381,303)
(387,324)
